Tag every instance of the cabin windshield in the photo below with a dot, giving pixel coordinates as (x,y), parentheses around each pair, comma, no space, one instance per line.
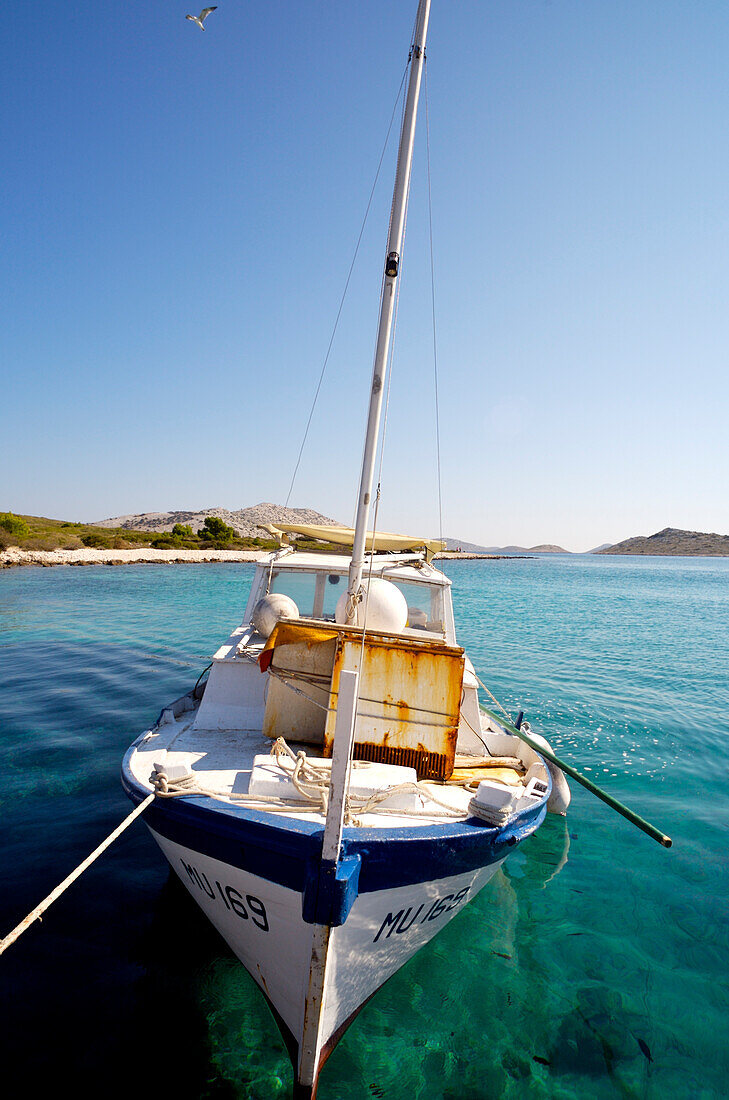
(316,595)
(425,605)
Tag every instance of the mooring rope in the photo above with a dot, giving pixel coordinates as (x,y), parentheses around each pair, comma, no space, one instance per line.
(36,914)
(503,710)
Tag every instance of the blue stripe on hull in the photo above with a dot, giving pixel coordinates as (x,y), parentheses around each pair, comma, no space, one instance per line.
(390,858)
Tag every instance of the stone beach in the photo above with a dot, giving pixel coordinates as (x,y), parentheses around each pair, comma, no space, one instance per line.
(16,556)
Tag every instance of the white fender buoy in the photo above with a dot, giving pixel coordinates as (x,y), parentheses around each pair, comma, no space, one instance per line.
(387,608)
(270,609)
(561,794)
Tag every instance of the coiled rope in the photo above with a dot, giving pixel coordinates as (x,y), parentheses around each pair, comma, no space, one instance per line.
(312,783)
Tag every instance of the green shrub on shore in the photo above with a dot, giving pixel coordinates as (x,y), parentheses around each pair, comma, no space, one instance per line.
(96,541)
(52,542)
(15,526)
(53,534)
(41,533)
(183,531)
(215,531)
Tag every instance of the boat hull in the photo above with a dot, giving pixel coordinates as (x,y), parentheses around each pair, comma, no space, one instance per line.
(262,923)
(318,956)
(319,938)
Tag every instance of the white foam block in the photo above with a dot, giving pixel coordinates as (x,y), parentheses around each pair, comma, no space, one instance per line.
(269,779)
(494,795)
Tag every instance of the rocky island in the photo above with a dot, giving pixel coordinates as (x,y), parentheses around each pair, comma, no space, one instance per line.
(673,542)
(246,522)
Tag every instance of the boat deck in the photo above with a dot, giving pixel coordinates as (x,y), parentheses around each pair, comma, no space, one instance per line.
(222,763)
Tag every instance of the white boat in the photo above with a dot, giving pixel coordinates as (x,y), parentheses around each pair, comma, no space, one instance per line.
(334,794)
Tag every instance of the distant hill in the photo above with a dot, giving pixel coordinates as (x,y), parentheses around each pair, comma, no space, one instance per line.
(472,548)
(466,547)
(672,541)
(542,548)
(599,549)
(246,521)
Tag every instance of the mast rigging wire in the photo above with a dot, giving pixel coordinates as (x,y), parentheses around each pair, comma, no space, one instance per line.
(383,436)
(432,298)
(346,287)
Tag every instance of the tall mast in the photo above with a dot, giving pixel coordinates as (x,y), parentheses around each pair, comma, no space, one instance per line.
(387,304)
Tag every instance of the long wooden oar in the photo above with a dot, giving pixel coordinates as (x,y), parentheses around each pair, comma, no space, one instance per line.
(593,788)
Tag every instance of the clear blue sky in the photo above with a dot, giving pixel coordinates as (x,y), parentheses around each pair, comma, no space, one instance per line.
(179,211)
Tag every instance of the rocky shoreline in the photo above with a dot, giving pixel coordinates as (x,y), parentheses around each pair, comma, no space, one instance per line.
(16,556)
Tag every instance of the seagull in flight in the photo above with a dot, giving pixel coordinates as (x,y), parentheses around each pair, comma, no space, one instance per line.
(200,19)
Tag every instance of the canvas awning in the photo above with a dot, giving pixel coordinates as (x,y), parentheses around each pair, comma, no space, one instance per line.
(344,536)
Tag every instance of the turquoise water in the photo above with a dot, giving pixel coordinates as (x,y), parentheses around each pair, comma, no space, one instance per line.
(594,965)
